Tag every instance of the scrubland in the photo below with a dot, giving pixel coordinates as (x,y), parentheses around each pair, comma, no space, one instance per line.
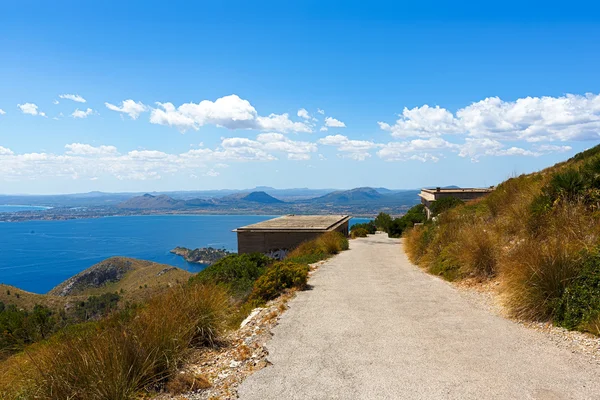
(537,235)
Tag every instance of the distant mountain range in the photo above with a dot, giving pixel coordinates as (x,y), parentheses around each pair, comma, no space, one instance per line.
(365,201)
(364,197)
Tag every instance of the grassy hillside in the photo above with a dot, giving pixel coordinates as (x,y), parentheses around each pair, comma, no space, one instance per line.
(537,234)
(27,300)
(133,279)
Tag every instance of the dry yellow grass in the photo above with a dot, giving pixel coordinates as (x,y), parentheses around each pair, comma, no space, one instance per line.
(121,356)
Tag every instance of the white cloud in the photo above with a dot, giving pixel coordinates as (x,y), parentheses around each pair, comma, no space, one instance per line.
(302,113)
(417,149)
(477,148)
(74,97)
(88,150)
(55,102)
(2,112)
(31,109)
(212,173)
(320,111)
(281,123)
(354,149)
(229,112)
(82,114)
(549,148)
(323,129)
(129,107)
(532,119)
(334,123)
(422,122)
(5,152)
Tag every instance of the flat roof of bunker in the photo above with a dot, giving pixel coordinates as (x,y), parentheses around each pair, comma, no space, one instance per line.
(304,223)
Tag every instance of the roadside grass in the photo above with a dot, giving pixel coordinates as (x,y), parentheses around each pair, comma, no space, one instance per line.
(124,354)
(535,234)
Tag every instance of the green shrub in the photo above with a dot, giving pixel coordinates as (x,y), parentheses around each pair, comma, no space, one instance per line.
(370,227)
(278,277)
(236,272)
(382,221)
(580,302)
(358,232)
(444,204)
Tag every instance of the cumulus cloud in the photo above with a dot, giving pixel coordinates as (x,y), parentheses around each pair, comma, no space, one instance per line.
(31,109)
(129,107)
(354,149)
(2,112)
(334,123)
(323,129)
(302,113)
(89,150)
(231,112)
(532,119)
(82,114)
(5,152)
(75,97)
(422,122)
(417,149)
(320,111)
(477,148)
(55,102)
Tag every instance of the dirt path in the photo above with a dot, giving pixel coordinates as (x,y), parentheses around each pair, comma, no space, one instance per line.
(375,327)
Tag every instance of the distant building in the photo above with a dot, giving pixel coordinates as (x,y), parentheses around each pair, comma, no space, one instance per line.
(429,196)
(277,236)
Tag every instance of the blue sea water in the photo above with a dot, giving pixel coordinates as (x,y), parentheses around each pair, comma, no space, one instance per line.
(38,255)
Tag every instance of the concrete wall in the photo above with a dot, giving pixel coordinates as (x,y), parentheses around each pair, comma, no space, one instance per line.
(277,244)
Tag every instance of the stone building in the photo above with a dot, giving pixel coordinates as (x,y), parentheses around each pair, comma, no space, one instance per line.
(429,196)
(277,236)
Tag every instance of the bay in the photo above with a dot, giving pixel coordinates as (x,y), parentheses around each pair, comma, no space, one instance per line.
(38,255)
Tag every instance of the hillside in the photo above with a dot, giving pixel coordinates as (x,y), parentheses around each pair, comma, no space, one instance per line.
(537,237)
(133,278)
(350,196)
(149,201)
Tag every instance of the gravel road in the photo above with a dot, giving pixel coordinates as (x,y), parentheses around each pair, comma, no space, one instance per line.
(375,327)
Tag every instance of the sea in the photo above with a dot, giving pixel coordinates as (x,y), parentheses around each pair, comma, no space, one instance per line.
(38,255)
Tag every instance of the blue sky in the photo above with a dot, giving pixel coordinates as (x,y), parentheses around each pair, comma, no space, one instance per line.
(239,94)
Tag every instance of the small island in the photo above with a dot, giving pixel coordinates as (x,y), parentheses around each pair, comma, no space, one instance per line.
(205,255)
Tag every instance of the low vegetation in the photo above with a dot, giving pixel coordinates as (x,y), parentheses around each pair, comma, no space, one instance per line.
(395,226)
(537,234)
(137,349)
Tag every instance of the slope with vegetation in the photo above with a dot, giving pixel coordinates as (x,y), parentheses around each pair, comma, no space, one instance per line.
(538,235)
(137,350)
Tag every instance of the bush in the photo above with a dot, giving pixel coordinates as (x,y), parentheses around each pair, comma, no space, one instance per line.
(477,251)
(358,232)
(382,221)
(236,272)
(279,277)
(580,302)
(320,248)
(536,275)
(370,227)
(444,204)
(332,242)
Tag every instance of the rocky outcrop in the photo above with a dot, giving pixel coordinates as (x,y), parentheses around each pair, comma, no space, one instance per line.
(205,255)
(107,271)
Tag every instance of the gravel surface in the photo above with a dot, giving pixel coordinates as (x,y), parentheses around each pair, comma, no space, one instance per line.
(376,327)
